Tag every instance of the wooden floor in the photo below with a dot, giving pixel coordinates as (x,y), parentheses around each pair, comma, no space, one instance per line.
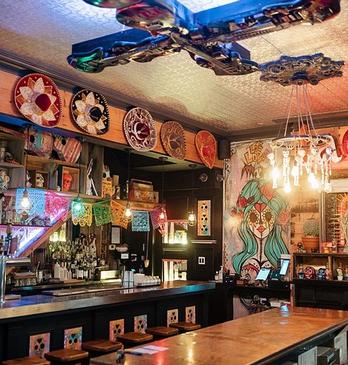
(247,340)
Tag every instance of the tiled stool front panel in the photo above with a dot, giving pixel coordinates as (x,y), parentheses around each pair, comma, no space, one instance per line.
(190,314)
(73,338)
(140,323)
(116,328)
(39,344)
(172,316)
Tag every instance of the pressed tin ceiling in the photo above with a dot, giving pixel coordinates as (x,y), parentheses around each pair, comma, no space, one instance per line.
(42,32)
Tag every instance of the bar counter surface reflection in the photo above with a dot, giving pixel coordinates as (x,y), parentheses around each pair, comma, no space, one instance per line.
(256,339)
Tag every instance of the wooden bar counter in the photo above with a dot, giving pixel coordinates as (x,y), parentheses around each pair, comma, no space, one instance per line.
(261,338)
(93,312)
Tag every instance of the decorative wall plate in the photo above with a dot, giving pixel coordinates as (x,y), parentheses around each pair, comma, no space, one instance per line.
(139,129)
(37,98)
(206,146)
(173,139)
(90,112)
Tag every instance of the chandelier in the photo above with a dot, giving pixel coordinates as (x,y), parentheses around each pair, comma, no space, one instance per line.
(299,151)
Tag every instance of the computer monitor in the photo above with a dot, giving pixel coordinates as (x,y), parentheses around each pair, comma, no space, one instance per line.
(284,266)
(263,274)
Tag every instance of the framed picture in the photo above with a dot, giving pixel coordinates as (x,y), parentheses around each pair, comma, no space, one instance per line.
(69,179)
(115,235)
(204,218)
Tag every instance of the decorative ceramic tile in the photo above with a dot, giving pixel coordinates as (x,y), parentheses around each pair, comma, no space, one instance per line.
(73,338)
(204,218)
(140,221)
(39,344)
(172,316)
(116,328)
(190,314)
(140,323)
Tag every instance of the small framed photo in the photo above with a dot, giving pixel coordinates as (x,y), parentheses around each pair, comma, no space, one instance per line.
(69,179)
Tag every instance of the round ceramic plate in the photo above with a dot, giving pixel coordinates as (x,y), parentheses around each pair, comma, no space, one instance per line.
(206,146)
(90,112)
(37,99)
(173,139)
(139,129)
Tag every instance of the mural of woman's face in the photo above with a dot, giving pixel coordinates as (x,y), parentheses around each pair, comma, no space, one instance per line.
(261,220)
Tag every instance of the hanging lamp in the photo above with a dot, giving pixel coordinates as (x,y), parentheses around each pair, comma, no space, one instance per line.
(128,211)
(299,149)
(162,217)
(191,215)
(25,201)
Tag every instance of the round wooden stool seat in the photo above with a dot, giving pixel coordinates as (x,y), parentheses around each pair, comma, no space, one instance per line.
(163,331)
(102,346)
(135,338)
(186,326)
(66,356)
(32,360)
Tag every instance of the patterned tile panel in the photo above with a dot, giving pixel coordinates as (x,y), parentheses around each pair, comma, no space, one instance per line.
(116,328)
(39,344)
(172,316)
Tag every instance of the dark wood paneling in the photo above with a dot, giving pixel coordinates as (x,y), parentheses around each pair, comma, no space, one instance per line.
(14,336)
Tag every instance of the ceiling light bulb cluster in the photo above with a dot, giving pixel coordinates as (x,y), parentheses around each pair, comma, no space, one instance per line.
(304,152)
(290,164)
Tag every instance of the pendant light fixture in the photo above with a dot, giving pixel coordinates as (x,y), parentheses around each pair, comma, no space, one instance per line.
(300,151)
(25,201)
(191,215)
(128,212)
(77,204)
(163,215)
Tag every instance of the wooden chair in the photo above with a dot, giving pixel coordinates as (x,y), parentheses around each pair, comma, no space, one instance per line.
(32,360)
(186,326)
(100,347)
(67,356)
(162,332)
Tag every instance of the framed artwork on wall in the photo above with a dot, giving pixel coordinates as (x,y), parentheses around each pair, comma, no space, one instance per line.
(203,218)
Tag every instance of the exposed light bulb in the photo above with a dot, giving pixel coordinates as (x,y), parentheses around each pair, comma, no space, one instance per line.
(25,202)
(128,212)
(161,216)
(328,188)
(275,176)
(77,206)
(313,181)
(191,218)
(287,188)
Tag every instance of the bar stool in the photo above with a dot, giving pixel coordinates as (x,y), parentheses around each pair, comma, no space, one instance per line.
(162,332)
(67,356)
(186,326)
(134,338)
(29,360)
(100,347)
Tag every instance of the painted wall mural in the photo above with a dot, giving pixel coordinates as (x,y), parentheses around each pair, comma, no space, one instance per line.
(256,222)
